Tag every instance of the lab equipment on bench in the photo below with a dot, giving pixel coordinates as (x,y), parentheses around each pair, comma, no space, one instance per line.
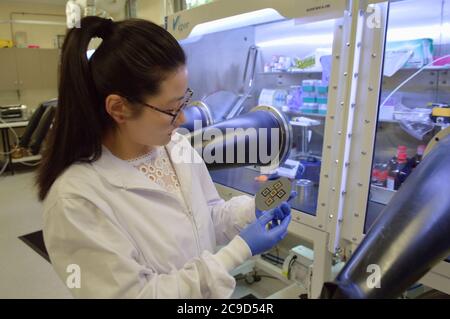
(13,112)
(290,169)
(303,139)
(37,129)
(311,169)
(398,169)
(440,113)
(304,189)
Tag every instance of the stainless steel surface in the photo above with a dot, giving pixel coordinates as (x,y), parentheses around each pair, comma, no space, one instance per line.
(252,57)
(216,62)
(220,103)
(304,188)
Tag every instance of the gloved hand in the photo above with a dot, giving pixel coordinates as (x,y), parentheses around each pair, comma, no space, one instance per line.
(259,213)
(259,238)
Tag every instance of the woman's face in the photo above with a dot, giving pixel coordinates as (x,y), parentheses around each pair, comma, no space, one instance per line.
(152,127)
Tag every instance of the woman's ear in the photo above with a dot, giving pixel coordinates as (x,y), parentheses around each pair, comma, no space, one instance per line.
(117,107)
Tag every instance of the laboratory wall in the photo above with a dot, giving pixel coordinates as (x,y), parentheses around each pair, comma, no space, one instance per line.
(152,10)
(45,36)
(42,35)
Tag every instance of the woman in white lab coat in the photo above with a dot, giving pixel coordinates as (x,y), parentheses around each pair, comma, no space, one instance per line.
(130,210)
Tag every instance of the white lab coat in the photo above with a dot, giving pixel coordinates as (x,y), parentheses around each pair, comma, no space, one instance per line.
(132,239)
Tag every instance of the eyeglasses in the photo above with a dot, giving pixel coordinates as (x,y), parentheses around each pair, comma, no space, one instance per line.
(185,101)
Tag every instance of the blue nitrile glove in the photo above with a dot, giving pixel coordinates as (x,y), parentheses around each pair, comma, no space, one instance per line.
(259,238)
(281,212)
(259,213)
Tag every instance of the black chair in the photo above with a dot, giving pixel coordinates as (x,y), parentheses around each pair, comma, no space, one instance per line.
(38,126)
(42,129)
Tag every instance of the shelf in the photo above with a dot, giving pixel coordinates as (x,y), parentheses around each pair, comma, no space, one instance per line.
(4,124)
(291,72)
(297,155)
(428,68)
(387,120)
(436,68)
(306,71)
(294,123)
(396,116)
(304,114)
(381,195)
(393,121)
(26,159)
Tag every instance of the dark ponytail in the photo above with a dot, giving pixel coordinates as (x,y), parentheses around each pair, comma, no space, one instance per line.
(133,59)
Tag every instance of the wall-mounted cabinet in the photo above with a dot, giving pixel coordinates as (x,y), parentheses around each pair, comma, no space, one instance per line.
(25,69)
(49,61)
(8,67)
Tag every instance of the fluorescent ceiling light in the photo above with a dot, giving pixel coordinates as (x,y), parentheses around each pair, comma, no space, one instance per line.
(432,31)
(318,39)
(237,21)
(394,34)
